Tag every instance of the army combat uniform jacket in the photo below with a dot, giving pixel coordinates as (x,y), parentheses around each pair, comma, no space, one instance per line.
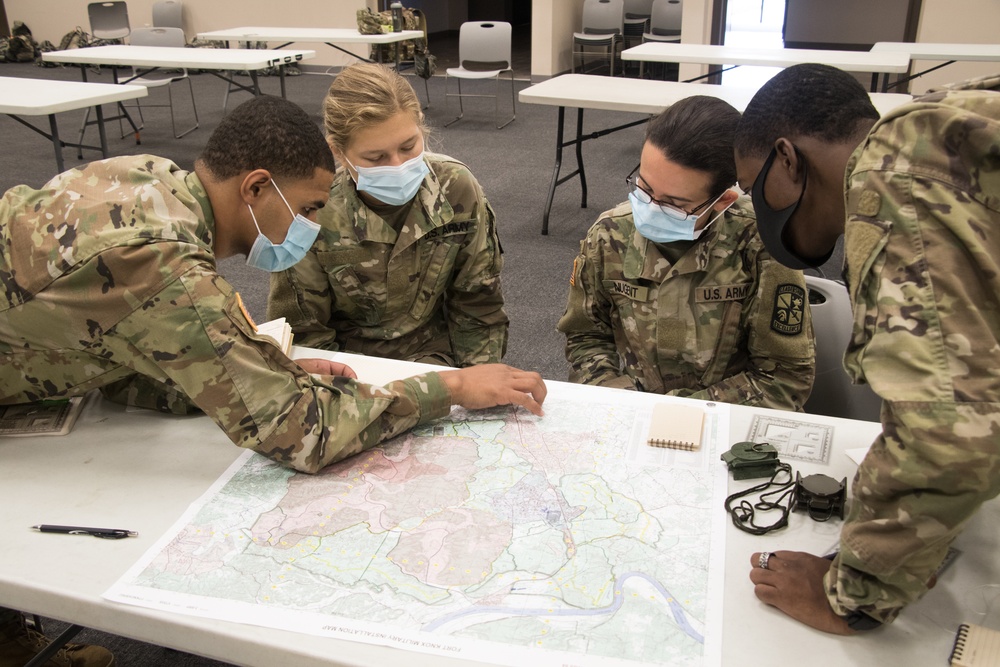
(109,279)
(922,245)
(425,289)
(723,322)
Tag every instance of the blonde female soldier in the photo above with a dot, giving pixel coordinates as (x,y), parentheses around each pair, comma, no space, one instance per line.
(407,263)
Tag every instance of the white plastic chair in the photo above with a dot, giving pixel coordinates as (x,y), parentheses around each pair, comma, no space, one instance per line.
(163,37)
(603,26)
(637,16)
(108,20)
(484,52)
(664,25)
(833,393)
(168,14)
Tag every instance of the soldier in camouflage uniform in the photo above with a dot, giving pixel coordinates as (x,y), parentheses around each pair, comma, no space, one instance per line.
(109,280)
(922,237)
(711,317)
(407,264)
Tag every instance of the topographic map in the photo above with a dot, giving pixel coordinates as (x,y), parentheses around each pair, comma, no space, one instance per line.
(491,535)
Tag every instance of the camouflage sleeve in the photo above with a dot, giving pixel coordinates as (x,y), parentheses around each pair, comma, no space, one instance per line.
(194,336)
(781,347)
(590,339)
(302,296)
(923,208)
(477,322)
(923,478)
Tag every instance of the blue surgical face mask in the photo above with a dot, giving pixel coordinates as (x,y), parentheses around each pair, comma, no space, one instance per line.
(662,226)
(392,185)
(272,257)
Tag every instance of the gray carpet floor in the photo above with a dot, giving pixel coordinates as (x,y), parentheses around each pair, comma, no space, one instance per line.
(514,166)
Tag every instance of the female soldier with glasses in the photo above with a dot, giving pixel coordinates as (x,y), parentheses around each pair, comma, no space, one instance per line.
(673,291)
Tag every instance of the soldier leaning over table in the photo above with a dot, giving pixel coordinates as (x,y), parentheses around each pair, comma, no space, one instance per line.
(109,280)
(919,209)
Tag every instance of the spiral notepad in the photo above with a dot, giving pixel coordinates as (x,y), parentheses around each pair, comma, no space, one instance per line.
(676,426)
(975,646)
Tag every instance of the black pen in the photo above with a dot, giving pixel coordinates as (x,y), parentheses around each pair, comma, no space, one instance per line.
(106,533)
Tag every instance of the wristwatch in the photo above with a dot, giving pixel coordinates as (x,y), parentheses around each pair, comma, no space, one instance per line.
(861,622)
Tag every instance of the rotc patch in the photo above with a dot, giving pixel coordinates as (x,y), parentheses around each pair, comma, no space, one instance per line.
(789,309)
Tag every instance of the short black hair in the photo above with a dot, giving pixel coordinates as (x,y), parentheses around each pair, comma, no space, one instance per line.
(804,100)
(697,132)
(271,133)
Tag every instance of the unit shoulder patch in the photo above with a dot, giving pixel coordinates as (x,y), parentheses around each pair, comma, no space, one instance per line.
(789,310)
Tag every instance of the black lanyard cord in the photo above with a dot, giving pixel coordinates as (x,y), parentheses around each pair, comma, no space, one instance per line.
(781,499)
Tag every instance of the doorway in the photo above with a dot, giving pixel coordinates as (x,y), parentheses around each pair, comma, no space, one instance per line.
(753,24)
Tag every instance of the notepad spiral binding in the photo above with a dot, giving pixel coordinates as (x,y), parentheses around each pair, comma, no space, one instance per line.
(673,444)
(958,650)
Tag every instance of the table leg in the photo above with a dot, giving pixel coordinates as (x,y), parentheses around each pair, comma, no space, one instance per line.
(42,657)
(555,171)
(101,132)
(256,83)
(54,132)
(578,141)
(281,79)
(579,158)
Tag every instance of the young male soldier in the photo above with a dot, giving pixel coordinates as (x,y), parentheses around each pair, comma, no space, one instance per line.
(922,238)
(109,281)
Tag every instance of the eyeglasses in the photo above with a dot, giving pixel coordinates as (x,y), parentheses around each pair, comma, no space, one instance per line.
(632,181)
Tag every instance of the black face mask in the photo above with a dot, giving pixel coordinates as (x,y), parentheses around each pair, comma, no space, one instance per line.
(771,223)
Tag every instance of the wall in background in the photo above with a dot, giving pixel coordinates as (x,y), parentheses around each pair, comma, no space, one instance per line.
(958,21)
(442,15)
(553,24)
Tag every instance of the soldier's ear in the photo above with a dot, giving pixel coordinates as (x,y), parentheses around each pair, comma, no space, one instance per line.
(254,184)
(788,159)
(727,198)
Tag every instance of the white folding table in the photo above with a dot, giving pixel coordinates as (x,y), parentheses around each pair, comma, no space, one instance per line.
(332,37)
(949,53)
(214,61)
(146,59)
(710,54)
(47,97)
(140,470)
(588,91)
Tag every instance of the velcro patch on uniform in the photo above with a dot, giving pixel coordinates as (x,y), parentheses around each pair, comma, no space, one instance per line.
(869,203)
(712,293)
(789,309)
(627,289)
(450,229)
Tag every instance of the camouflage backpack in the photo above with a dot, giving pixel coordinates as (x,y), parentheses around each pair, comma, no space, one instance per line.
(74,39)
(372,23)
(20,46)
